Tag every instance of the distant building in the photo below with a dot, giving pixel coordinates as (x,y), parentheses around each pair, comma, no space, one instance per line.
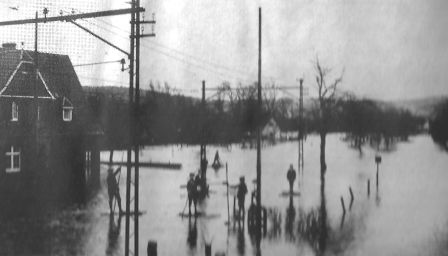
(48,154)
(270,130)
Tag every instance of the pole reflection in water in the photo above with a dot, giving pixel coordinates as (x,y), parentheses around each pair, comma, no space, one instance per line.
(113,234)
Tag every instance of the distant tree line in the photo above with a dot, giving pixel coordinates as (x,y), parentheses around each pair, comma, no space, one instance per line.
(364,117)
(439,125)
(231,115)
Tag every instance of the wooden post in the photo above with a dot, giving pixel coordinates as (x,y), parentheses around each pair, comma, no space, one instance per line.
(152,248)
(228,206)
(208,249)
(259,110)
(343,205)
(377,161)
(368,188)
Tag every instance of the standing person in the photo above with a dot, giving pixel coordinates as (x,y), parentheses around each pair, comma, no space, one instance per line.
(216,161)
(112,188)
(192,193)
(241,194)
(291,176)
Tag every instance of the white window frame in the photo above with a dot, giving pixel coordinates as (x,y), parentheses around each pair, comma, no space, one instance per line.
(70,114)
(12,154)
(69,110)
(14,112)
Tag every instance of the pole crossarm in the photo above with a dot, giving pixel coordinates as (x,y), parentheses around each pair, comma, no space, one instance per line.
(96,63)
(145,22)
(99,37)
(145,35)
(73,17)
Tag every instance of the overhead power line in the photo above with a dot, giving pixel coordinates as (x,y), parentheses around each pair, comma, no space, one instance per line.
(96,63)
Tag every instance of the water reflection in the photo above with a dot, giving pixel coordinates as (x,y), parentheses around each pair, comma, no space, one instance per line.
(322,218)
(289,221)
(240,243)
(113,234)
(192,236)
(275,220)
(313,226)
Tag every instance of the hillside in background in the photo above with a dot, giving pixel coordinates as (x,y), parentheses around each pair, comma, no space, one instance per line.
(424,107)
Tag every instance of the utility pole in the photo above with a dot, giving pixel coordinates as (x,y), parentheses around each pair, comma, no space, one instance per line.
(203,152)
(258,130)
(131,134)
(136,35)
(137,130)
(301,133)
(36,82)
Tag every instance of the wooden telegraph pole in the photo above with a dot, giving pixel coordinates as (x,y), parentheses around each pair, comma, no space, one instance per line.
(258,129)
(203,153)
(131,133)
(35,97)
(301,134)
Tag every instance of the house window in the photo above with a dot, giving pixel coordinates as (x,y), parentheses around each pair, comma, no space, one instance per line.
(67,114)
(88,164)
(13,160)
(67,110)
(14,112)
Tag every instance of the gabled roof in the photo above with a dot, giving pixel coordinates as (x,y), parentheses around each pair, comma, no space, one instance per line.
(22,83)
(57,77)
(66,103)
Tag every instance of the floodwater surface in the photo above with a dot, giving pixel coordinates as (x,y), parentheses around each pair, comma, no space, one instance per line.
(406,215)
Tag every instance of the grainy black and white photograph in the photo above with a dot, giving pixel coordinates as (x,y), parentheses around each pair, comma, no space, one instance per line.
(223,127)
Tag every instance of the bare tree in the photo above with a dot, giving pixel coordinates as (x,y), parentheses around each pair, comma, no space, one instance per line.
(270,98)
(326,104)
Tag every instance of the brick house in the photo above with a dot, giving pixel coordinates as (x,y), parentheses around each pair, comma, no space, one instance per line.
(47,153)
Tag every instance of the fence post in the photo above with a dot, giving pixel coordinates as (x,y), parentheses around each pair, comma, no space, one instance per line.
(343,205)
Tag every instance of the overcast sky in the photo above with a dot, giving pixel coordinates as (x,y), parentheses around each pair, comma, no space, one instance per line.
(389,49)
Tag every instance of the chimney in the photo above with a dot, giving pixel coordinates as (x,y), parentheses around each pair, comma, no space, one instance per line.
(9,46)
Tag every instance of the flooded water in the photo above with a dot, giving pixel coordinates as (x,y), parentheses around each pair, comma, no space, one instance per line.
(408,215)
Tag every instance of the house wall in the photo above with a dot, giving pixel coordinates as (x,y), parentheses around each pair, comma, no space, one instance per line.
(51,171)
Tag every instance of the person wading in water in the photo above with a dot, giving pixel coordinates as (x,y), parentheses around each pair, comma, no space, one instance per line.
(192,193)
(113,189)
(291,176)
(241,194)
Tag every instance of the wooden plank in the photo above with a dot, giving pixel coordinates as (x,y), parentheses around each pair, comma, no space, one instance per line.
(172,166)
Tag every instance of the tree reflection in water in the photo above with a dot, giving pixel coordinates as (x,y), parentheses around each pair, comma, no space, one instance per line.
(312,226)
